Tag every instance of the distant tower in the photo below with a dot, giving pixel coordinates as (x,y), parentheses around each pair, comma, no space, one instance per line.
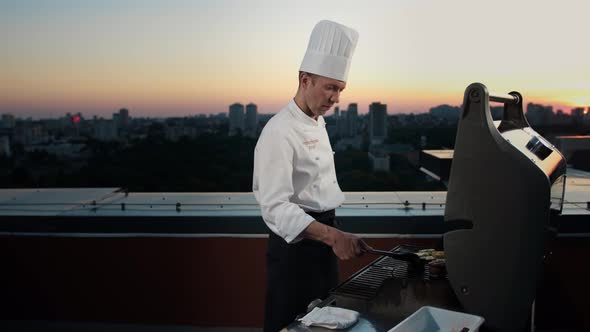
(123,117)
(236,118)
(352,120)
(377,122)
(117,119)
(577,115)
(5,146)
(539,115)
(8,121)
(343,124)
(251,123)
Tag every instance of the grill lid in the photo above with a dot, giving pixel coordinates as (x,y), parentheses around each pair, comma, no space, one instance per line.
(501,180)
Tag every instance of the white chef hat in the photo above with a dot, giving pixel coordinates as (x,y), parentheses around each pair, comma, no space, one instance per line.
(330,50)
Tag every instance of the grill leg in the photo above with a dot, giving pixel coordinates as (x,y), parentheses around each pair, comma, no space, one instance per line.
(533,317)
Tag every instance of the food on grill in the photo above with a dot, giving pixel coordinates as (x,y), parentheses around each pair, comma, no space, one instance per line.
(425,253)
(438,262)
(438,254)
(437,268)
(430,254)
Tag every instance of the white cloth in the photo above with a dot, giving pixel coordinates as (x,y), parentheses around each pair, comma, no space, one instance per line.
(330,317)
(294,172)
(330,49)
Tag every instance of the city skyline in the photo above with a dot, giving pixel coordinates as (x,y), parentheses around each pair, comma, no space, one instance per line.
(184,58)
(246,117)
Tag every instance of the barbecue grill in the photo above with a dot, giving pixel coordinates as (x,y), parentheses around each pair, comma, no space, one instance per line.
(390,289)
(386,292)
(508,182)
(505,189)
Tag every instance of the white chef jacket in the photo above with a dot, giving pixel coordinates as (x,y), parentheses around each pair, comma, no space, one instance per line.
(294,172)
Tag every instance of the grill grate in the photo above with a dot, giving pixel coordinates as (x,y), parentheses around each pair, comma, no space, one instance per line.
(365,284)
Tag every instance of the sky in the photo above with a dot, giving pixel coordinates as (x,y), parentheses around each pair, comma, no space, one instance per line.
(183,58)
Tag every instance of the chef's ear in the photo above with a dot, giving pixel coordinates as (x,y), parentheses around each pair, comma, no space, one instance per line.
(304,79)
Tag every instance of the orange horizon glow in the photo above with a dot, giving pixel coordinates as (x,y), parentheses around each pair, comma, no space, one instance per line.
(158,106)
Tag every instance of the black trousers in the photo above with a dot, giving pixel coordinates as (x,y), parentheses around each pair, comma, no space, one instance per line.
(296,275)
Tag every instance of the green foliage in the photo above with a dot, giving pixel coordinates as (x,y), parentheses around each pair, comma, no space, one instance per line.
(436,137)
(353,170)
(209,163)
(206,164)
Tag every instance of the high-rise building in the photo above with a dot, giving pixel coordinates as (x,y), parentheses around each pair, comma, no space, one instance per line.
(236,119)
(562,119)
(123,120)
(5,146)
(352,120)
(539,115)
(377,122)
(8,121)
(251,122)
(343,124)
(577,115)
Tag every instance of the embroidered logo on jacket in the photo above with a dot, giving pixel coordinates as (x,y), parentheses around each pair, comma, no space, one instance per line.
(311,144)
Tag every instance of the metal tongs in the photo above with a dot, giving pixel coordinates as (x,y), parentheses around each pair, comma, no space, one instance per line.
(406,256)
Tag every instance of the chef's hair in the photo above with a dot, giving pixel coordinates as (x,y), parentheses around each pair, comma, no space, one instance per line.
(314,77)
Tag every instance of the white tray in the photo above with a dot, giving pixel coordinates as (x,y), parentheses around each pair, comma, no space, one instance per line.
(431,319)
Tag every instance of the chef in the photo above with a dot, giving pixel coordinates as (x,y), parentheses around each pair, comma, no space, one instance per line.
(295,183)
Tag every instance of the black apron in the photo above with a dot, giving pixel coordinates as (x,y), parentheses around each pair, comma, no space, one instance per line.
(296,275)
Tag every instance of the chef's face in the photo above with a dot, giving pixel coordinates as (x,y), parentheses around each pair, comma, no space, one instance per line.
(321,93)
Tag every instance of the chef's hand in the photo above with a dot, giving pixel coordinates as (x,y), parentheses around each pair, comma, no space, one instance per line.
(345,245)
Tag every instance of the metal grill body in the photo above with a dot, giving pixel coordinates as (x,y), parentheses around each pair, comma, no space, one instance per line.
(389,290)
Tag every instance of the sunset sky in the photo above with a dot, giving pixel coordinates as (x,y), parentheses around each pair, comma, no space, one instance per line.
(179,58)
